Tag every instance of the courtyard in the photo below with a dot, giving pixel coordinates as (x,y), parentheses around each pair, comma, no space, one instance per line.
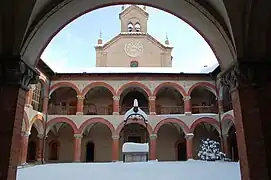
(191,169)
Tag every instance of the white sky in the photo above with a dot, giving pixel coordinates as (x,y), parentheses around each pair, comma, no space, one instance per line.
(72,49)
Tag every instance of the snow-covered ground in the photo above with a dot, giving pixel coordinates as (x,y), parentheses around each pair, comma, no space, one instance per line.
(189,170)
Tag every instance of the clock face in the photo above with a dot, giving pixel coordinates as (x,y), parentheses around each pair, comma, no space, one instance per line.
(133,48)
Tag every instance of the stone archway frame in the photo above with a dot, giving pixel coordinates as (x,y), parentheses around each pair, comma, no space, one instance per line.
(121,126)
(62,120)
(134,84)
(98,84)
(55,86)
(86,123)
(217,36)
(184,127)
(25,125)
(208,120)
(174,85)
(230,118)
(208,86)
(40,123)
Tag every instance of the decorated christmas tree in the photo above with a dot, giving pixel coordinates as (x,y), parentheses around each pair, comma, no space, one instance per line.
(210,151)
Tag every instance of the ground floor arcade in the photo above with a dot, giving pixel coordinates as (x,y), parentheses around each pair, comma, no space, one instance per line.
(99,142)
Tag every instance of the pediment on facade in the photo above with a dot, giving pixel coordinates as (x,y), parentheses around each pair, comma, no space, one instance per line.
(131,8)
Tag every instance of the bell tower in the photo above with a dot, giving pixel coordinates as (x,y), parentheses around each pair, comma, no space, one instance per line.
(134,19)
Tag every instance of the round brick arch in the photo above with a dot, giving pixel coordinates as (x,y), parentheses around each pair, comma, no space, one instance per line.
(64,84)
(228,117)
(121,125)
(26,122)
(210,87)
(98,84)
(39,118)
(170,84)
(207,120)
(62,120)
(184,127)
(97,120)
(136,84)
(45,86)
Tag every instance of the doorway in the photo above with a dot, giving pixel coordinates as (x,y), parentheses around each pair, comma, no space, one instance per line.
(181,151)
(90,152)
(31,154)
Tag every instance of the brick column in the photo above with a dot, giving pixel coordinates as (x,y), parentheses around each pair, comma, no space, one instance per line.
(115,148)
(29,95)
(39,147)
(220,105)
(77,147)
(187,105)
(153,138)
(189,145)
(225,144)
(152,106)
(24,146)
(45,104)
(14,81)
(116,110)
(80,105)
(250,86)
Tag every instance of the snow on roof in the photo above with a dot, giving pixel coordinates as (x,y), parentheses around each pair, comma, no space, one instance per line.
(105,70)
(135,147)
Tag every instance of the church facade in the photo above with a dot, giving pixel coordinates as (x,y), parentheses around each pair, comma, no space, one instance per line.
(79,117)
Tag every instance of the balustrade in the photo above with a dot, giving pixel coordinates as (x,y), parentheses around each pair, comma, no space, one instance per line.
(204,109)
(170,110)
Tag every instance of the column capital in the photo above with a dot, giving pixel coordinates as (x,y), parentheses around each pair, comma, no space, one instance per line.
(153,136)
(116,98)
(80,97)
(186,98)
(152,98)
(40,136)
(78,136)
(189,136)
(246,73)
(15,72)
(26,133)
(115,137)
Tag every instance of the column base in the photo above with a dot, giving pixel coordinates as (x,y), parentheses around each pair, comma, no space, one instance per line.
(188,113)
(79,113)
(152,113)
(116,113)
(29,106)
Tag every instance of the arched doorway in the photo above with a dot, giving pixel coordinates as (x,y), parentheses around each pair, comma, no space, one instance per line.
(169,101)
(63,101)
(181,151)
(127,99)
(171,144)
(96,145)
(201,132)
(232,143)
(98,101)
(31,151)
(133,132)
(32,145)
(54,147)
(90,152)
(60,143)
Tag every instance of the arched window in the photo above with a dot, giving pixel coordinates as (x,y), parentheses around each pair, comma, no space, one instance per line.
(130,27)
(37,97)
(137,27)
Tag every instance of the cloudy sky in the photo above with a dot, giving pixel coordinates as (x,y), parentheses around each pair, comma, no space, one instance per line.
(72,49)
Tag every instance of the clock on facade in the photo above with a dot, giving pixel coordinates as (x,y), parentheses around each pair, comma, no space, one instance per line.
(133,48)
